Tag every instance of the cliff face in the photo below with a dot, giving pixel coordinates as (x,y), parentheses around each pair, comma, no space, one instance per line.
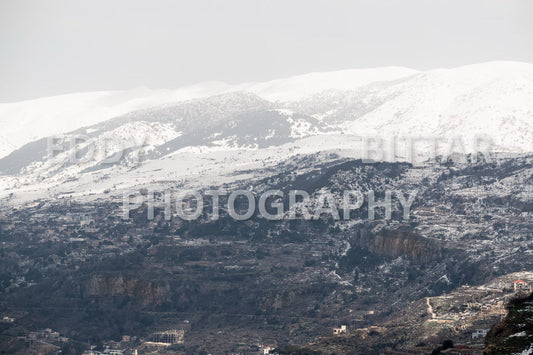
(402,242)
(108,285)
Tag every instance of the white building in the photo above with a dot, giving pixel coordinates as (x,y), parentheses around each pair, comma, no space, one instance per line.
(480,333)
(341,330)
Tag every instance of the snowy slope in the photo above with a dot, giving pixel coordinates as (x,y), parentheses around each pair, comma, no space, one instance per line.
(493,99)
(301,86)
(26,121)
(216,132)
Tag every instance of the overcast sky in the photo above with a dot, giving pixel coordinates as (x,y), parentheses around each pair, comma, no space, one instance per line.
(54,47)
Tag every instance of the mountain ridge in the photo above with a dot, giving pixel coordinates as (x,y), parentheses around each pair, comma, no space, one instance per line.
(217,127)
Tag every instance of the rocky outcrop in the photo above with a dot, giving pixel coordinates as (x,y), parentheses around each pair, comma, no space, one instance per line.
(402,242)
(109,285)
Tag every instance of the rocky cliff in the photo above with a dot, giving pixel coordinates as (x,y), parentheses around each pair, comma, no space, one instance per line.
(110,285)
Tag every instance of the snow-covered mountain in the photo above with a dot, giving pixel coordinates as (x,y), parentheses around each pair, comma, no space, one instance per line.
(26,121)
(211,132)
(492,98)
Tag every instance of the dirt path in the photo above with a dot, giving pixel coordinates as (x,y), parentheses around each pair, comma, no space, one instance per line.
(430,309)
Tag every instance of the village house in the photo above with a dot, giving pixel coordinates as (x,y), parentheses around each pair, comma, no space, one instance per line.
(169,337)
(341,330)
(519,285)
(266,349)
(107,351)
(7,320)
(479,333)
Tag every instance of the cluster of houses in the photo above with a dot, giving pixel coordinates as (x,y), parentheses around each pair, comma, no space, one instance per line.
(106,351)
(89,228)
(47,335)
(156,340)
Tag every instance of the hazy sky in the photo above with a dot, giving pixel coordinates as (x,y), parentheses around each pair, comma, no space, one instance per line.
(53,47)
